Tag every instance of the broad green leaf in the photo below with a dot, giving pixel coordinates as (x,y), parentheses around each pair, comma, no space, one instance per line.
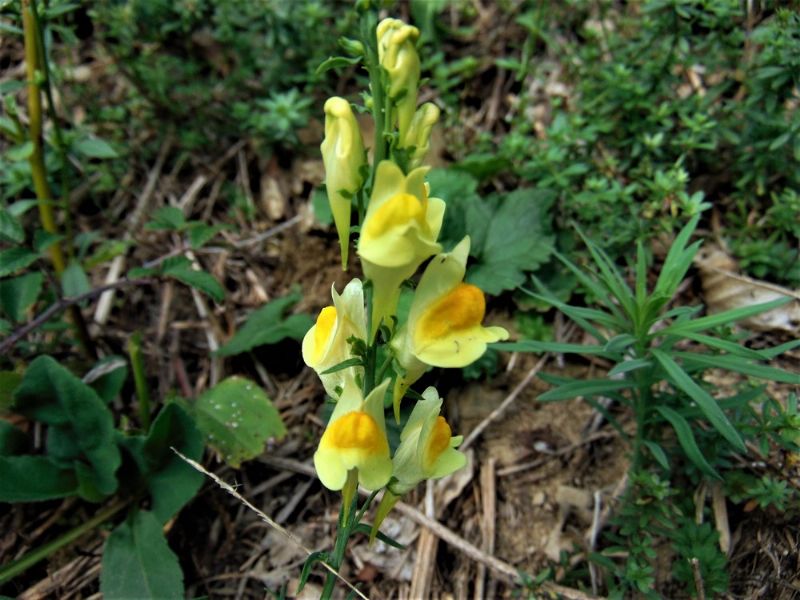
(34,479)
(18,294)
(184,272)
(20,207)
(9,380)
(15,259)
(459,191)
(200,234)
(169,479)
(10,228)
(12,440)
(686,439)
(138,562)
(43,240)
(237,418)
(51,394)
(681,380)
(20,152)
(269,325)
(588,387)
(92,147)
(321,206)
(74,280)
(107,377)
(723,318)
(518,240)
(740,365)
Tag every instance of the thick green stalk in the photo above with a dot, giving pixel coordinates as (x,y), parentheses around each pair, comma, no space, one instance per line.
(14,568)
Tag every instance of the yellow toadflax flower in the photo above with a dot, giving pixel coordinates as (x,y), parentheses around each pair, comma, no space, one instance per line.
(399,232)
(325,345)
(427,451)
(343,155)
(397,53)
(444,323)
(355,439)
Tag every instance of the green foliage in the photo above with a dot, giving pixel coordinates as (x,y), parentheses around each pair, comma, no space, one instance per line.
(660,106)
(237,418)
(138,562)
(269,325)
(681,429)
(510,234)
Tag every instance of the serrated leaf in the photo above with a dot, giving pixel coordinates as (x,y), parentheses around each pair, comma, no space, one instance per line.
(268,325)
(10,228)
(237,418)
(51,394)
(517,241)
(167,217)
(459,191)
(15,259)
(138,562)
(200,280)
(686,439)
(18,294)
(710,408)
(93,147)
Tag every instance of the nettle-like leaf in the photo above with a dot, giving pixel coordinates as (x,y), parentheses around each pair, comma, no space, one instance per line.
(17,294)
(269,325)
(237,418)
(169,479)
(511,234)
(81,429)
(138,562)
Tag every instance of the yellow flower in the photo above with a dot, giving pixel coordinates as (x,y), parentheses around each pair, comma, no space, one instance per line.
(399,232)
(427,447)
(418,135)
(444,323)
(343,155)
(397,53)
(355,439)
(325,345)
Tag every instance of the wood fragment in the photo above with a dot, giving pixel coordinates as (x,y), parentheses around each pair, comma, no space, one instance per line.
(488,521)
(427,544)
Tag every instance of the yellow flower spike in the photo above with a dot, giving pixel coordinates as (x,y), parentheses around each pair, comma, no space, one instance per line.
(427,447)
(355,439)
(418,135)
(398,233)
(325,345)
(397,53)
(343,155)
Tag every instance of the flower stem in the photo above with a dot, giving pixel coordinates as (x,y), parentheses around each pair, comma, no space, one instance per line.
(139,379)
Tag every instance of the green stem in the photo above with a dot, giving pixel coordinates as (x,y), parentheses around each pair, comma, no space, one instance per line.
(23,563)
(38,170)
(139,379)
(339,546)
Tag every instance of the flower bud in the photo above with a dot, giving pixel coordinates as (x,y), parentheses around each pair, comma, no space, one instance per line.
(343,155)
(418,135)
(397,53)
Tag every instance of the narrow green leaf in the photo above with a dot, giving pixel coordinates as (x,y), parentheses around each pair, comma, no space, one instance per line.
(679,378)
(345,364)
(337,62)
(670,275)
(313,558)
(138,562)
(658,454)
(588,387)
(740,365)
(630,365)
(724,318)
(367,530)
(555,347)
(686,440)
(237,419)
(725,346)
(92,147)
